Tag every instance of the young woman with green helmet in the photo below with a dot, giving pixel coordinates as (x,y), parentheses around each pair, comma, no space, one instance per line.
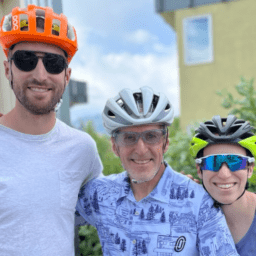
(225,150)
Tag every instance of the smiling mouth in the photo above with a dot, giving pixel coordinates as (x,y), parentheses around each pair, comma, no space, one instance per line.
(225,186)
(36,89)
(141,161)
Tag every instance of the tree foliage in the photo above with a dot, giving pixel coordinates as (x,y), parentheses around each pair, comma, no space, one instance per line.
(89,241)
(110,161)
(178,156)
(243,107)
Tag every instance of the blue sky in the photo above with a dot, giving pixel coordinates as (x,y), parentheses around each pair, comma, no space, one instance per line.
(123,44)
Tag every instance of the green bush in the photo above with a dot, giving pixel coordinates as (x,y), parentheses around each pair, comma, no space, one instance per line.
(178,156)
(89,241)
(110,161)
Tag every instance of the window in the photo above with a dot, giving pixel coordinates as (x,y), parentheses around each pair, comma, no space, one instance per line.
(197,40)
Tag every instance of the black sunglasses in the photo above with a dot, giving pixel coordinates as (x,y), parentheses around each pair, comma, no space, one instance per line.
(27,61)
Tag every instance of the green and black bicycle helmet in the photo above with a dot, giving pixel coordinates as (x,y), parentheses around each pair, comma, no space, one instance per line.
(224,130)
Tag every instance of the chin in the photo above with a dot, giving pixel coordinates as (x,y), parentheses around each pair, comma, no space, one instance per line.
(225,201)
(143,177)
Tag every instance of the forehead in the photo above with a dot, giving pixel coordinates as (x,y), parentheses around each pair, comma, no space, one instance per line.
(224,148)
(37,46)
(141,128)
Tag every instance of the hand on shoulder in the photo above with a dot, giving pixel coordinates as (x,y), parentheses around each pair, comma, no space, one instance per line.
(191,177)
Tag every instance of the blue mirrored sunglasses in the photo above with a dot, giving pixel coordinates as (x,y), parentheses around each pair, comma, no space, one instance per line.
(214,162)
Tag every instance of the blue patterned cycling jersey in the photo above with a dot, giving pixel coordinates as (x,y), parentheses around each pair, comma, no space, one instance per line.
(176,218)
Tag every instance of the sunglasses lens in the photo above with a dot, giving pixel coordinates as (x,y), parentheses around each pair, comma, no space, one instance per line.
(25,60)
(153,137)
(54,63)
(236,163)
(126,138)
(214,163)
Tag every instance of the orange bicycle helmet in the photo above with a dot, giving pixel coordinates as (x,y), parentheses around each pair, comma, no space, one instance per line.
(57,30)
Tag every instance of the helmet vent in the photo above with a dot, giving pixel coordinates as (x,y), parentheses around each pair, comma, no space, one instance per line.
(40,18)
(56,27)
(40,13)
(24,22)
(111,114)
(155,101)
(71,33)
(120,102)
(167,108)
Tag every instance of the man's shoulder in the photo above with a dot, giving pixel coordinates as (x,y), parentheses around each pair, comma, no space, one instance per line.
(185,181)
(182,182)
(109,184)
(73,134)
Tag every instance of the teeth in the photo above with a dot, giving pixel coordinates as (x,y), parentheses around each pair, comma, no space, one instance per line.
(39,90)
(225,186)
(141,162)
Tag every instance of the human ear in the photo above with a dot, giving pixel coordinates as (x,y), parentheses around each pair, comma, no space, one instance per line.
(7,69)
(68,75)
(114,146)
(166,146)
(250,170)
(199,172)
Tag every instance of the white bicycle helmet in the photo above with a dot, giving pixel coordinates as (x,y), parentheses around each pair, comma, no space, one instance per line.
(140,107)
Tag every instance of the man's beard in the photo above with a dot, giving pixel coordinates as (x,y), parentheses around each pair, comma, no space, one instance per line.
(33,108)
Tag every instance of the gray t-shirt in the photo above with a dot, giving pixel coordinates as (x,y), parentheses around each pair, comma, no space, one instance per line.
(40,177)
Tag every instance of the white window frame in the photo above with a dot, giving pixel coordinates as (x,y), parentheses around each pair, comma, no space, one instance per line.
(210,58)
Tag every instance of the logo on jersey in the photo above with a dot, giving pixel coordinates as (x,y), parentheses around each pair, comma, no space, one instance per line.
(180,244)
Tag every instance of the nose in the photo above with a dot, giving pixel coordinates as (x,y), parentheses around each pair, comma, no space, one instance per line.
(141,147)
(40,72)
(224,171)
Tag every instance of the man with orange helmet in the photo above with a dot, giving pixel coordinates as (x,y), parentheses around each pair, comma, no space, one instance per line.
(43,161)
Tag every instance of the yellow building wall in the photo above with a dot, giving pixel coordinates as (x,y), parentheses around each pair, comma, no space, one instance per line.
(234,51)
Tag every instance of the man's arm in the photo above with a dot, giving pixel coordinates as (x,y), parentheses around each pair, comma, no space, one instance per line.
(214,237)
(86,203)
(96,168)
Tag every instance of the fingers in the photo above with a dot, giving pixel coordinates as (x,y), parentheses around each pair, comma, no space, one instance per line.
(191,177)
(197,181)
